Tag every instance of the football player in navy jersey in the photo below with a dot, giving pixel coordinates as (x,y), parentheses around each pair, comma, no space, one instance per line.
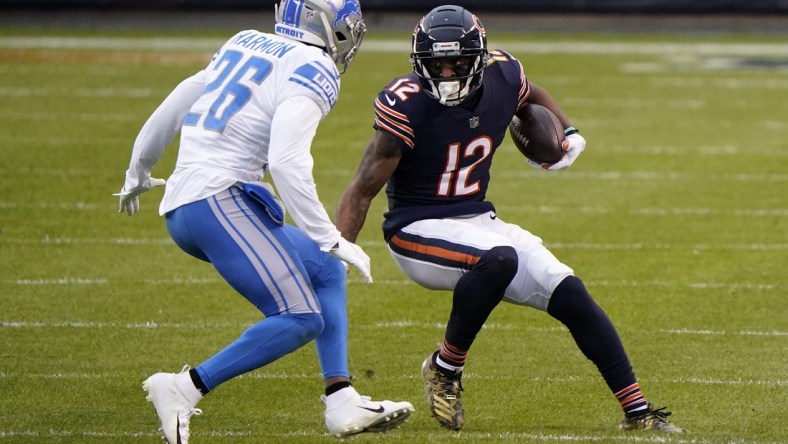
(436,131)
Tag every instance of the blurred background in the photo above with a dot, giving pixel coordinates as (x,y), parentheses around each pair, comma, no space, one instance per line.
(660,16)
(697,6)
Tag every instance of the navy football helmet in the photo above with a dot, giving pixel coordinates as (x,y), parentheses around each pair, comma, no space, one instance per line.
(449,35)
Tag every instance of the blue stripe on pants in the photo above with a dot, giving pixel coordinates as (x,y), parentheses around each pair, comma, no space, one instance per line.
(252,253)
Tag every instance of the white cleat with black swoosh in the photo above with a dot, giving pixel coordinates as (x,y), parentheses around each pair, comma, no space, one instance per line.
(348,413)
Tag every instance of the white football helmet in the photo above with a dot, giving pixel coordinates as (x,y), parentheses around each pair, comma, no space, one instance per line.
(335,25)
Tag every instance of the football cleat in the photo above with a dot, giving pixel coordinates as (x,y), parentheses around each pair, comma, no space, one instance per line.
(172,408)
(444,397)
(650,419)
(359,414)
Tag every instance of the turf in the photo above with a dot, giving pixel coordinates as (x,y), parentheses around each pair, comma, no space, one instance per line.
(676,217)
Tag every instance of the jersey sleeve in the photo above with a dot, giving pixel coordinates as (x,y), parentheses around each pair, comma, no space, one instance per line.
(513,72)
(390,117)
(161,127)
(317,80)
(290,165)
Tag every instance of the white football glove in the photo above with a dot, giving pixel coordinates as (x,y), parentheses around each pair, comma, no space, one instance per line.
(537,165)
(573,145)
(352,254)
(130,199)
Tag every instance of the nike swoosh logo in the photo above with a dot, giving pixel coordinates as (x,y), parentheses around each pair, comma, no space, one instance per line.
(391,101)
(377,410)
(492,216)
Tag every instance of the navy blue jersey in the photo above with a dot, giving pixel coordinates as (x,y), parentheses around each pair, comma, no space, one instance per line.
(447,151)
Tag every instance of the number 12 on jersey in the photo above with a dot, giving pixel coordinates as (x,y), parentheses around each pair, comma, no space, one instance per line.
(454,181)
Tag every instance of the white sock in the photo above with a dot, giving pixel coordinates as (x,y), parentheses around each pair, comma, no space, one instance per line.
(447,366)
(184,384)
(340,397)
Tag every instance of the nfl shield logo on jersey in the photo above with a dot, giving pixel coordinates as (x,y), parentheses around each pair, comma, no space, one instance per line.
(473,122)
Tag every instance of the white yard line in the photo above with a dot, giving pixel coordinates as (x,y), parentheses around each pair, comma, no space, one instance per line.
(188,280)
(534,437)
(151,325)
(52,433)
(380,244)
(522,173)
(648,176)
(67,281)
(147,325)
(536,379)
(135,93)
(644,211)
(638,246)
(686,331)
(465,436)
(671,49)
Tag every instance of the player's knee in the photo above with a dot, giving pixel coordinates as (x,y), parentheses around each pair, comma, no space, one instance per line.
(334,273)
(500,262)
(330,283)
(308,325)
(571,302)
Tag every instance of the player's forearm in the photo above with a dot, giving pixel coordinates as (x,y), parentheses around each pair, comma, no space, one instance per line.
(304,206)
(295,185)
(540,96)
(351,214)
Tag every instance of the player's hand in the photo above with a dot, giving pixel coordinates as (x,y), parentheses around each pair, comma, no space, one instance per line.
(352,254)
(537,165)
(573,145)
(130,198)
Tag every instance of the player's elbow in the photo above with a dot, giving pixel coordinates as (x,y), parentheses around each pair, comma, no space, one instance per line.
(283,167)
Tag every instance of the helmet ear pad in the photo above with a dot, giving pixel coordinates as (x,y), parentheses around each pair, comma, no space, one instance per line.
(449,32)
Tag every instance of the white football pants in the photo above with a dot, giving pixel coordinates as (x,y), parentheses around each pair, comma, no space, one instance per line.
(427,251)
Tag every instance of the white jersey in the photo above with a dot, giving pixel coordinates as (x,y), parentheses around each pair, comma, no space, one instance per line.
(255,108)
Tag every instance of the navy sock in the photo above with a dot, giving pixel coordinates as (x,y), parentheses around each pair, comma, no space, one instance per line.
(197,381)
(593,332)
(337,386)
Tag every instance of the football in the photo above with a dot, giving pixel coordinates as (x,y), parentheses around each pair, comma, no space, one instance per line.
(538,134)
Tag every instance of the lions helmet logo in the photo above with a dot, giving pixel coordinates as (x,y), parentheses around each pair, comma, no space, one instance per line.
(348,8)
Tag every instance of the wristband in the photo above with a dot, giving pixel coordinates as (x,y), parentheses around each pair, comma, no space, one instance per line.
(571,130)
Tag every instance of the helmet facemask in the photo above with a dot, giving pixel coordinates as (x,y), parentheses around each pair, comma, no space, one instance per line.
(347,40)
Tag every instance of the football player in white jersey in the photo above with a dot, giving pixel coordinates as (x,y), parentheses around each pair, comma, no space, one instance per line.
(254,110)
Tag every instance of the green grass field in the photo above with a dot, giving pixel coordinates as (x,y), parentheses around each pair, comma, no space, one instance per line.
(676,217)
